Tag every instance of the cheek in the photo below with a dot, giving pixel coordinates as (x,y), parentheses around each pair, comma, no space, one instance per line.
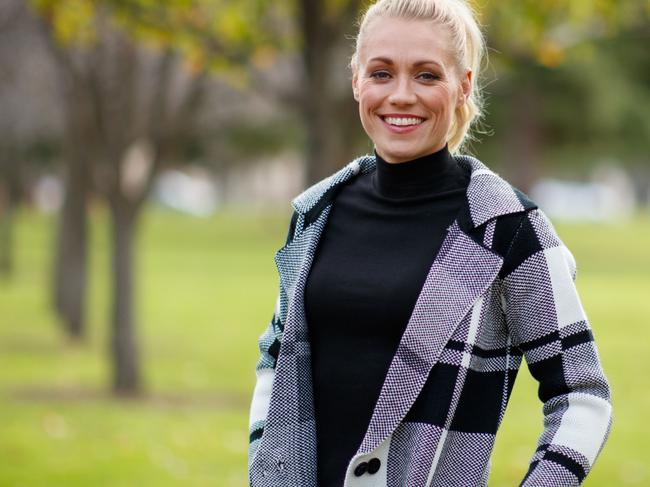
(369,96)
(443,103)
(369,101)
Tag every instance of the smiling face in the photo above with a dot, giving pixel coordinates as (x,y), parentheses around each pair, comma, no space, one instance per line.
(408,87)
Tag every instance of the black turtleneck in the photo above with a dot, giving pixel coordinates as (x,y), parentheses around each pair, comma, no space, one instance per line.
(382,234)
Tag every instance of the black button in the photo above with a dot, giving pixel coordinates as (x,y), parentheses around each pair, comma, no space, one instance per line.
(361,469)
(373,465)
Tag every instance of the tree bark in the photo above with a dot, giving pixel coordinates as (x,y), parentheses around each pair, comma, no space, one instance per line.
(124,344)
(70,266)
(6,238)
(71,254)
(10,195)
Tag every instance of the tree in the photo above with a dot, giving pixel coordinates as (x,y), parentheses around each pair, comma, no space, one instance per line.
(329,112)
(540,52)
(130,105)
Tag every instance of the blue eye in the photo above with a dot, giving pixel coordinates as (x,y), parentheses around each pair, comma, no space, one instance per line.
(380,75)
(430,76)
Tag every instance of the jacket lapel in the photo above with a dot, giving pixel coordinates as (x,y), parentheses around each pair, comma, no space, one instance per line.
(313,205)
(460,273)
(293,259)
(294,263)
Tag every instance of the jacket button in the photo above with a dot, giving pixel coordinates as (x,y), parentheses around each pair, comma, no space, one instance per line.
(373,465)
(361,469)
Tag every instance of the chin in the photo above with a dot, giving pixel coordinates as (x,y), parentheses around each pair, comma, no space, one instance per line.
(400,155)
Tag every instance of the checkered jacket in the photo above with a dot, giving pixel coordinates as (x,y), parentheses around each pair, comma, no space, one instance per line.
(501,287)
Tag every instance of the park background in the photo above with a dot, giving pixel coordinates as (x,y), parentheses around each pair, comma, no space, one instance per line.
(148,154)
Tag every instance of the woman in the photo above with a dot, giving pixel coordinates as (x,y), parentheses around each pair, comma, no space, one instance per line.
(411,284)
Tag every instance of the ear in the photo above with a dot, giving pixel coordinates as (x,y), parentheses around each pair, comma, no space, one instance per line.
(464,88)
(355,85)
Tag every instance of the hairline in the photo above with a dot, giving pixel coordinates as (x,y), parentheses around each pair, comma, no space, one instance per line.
(457,65)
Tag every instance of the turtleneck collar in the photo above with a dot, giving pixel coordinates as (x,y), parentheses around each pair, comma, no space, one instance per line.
(425,175)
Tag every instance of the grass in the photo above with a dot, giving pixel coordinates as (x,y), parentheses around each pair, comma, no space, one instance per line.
(205,291)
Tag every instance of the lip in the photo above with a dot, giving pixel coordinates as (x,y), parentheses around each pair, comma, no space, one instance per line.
(402,115)
(401,130)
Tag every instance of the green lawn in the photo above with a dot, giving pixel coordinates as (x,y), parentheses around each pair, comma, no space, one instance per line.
(206,290)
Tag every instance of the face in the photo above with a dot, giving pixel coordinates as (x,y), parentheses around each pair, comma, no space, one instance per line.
(408,87)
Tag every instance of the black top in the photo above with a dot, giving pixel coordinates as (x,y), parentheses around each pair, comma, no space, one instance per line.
(383,232)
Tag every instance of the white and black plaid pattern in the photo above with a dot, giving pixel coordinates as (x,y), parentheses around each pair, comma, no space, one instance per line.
(500,288)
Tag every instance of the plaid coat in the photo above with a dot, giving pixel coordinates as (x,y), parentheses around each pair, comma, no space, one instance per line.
(501,287)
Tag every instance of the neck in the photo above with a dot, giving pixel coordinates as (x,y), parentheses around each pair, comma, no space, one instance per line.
(423,175)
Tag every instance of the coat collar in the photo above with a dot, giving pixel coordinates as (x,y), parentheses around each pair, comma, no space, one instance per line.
(485,187)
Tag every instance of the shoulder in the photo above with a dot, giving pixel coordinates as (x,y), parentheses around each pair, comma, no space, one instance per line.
(489,195)
(534,235)
(519,228)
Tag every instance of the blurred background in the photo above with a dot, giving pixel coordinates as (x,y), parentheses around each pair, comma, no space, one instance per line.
(148,154)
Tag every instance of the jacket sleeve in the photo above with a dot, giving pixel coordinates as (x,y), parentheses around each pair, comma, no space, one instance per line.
(269,348)
(547,322)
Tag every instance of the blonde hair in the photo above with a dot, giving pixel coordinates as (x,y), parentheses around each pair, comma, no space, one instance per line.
(468,48)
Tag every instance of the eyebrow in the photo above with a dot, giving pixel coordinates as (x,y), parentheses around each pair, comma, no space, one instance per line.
(416,63)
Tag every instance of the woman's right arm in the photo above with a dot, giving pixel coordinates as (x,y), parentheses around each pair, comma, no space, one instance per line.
(269,348)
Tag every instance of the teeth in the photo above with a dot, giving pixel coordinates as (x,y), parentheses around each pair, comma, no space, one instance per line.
(403,121)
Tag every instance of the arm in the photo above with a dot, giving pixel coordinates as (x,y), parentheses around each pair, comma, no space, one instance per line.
(269,347)
(547,322)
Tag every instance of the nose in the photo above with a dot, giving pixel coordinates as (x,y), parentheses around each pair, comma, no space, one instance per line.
(403,93)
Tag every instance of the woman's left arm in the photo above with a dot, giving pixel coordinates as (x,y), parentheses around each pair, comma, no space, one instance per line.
(547,322)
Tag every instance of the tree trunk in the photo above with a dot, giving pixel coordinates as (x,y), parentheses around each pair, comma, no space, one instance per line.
(70,266)
(10,195)
(124,347)
(6,239)
(327,117)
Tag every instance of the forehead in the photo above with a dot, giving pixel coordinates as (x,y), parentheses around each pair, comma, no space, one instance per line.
(405,40)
